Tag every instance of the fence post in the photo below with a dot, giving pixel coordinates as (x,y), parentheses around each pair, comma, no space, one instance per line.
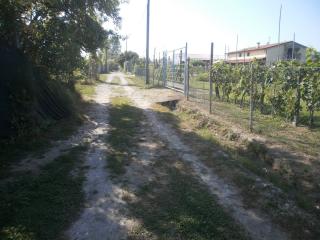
(179,75)
(251,99)
(160,68)
(186,73)
(187,77)
(210,78)
(297,102)
(164,69)
(172,68)
(154,66)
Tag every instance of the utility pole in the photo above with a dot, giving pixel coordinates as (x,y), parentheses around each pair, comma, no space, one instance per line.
(210,78)
(279,24)
(294,39)
(147,44)
(279,30)
(125,55)
(237,50)
(126,44)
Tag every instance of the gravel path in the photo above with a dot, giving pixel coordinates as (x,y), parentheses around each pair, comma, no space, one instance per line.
(258,225)
(102,218)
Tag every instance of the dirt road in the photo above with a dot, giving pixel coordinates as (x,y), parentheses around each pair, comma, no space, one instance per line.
(106,214)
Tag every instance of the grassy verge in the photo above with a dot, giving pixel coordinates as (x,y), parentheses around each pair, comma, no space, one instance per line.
(116,80)
(221,150)
(140,81)
(200,89)
(177,206)
(39,139)
(301,139)
(125,121)
(42,206)
(86,90)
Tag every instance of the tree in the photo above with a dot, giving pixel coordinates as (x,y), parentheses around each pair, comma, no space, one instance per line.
(128,56)
(44,42)
(54,33)
(311,83)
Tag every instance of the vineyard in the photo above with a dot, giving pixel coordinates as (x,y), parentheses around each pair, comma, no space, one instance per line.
(287,89)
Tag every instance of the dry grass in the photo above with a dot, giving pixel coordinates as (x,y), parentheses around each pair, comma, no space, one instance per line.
(239,160)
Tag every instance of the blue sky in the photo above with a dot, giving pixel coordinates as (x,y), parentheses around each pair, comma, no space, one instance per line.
(199,22)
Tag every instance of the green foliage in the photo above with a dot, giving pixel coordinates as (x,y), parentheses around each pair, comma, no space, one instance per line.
(53,33)
(182,208)
(278,89)
(197,63)
(125,121)
(41,206)
(128,56)
(50,37)
(203,77)
(113,66)
(311,84)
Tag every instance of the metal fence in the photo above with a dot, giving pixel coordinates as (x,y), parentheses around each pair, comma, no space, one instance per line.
(276,90)
(169,70)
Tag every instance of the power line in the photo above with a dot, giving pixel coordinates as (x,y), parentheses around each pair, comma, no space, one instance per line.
(147,43)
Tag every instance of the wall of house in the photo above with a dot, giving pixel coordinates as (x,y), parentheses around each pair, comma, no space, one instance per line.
(299,52)
(259,53)
(275,53)
(281,52)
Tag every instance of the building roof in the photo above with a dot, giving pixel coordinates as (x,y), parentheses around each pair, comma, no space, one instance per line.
(203,57)
(245,60)
(261,47)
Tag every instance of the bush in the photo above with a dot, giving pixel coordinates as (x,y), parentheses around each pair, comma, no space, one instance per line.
(203,77)
(113,66)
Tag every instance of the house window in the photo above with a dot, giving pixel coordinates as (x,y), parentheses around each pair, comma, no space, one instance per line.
(240,54)
(248,54)
(289,53)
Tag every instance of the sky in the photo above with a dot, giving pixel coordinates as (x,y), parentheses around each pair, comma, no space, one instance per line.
(200,22)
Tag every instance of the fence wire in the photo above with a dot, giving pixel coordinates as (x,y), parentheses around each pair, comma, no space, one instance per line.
(284,89)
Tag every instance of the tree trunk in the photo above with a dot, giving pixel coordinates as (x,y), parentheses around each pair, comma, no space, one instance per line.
(311,118)
(297,104)
(242,99)
(262,98)
(217,91)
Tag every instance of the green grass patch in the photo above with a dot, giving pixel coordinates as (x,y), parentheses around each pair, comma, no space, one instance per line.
(140,82)
(207,141)
(87,90)
(125,121)
(301,139)
(36,143)
(116,80)
(42,206)
(181,208)
(103,77)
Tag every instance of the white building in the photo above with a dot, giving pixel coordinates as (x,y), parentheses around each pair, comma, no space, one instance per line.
(269,53)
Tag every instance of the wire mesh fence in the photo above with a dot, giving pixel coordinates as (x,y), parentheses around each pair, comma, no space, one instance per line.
(287,89)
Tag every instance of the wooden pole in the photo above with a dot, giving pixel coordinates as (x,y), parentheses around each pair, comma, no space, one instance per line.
(147,43)
(251,100)
(210,78)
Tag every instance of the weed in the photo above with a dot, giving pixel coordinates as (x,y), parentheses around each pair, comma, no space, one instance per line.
(41,207)
(181,208)
(87,90)
(125,122)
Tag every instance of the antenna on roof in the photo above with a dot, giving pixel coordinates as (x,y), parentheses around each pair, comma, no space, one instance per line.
(279,24)
(237,49)
(294,39)
(279,31)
